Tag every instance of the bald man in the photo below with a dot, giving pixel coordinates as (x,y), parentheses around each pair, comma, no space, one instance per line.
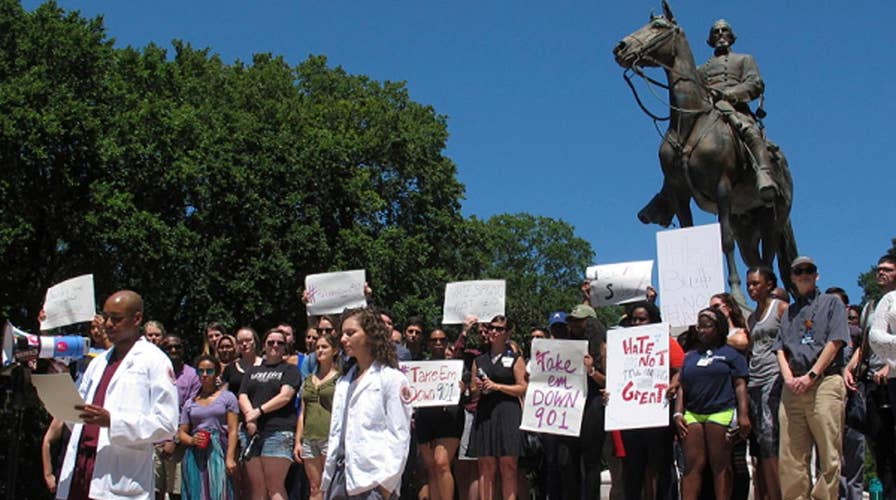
(133,404)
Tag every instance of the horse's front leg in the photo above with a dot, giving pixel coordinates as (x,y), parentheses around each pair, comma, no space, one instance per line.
(723,198)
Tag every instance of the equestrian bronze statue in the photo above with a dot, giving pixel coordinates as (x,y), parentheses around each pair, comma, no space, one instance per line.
(714,150)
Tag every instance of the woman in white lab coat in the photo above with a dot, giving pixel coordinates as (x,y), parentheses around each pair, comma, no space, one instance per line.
(369,412)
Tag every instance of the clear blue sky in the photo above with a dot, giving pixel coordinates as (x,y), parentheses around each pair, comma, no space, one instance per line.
(542,122)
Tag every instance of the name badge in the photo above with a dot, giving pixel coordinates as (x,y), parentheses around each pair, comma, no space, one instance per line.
(507,362)
(808,338)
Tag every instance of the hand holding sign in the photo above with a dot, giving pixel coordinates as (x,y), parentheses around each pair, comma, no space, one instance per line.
(483,299)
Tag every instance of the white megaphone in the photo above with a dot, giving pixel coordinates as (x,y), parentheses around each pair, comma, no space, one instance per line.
(19,345)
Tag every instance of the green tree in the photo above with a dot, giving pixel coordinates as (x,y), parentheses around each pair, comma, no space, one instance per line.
(542,260)
(868,279)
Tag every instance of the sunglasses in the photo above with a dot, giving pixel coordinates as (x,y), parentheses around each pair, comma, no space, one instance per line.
(205,371)
(799,271)
(274,343)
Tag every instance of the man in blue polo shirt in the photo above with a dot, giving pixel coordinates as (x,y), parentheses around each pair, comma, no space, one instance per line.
(810,344)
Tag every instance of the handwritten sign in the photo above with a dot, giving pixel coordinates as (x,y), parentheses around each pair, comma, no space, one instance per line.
(555,398)
(621,283)
(690,271)
(332,293)
(71,301)
(637,377)
(483,299)
(433,383)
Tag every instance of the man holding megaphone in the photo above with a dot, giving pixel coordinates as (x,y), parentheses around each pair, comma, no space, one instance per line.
(133,404)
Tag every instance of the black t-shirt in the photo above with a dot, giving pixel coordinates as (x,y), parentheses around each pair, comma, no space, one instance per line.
(261,383)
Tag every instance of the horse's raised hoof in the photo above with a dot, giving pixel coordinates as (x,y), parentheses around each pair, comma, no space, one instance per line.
(658,211)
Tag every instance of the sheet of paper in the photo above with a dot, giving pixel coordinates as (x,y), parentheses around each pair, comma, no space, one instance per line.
(332,293)
(614,284)
(434,382)
(60,396)
(555,397)
(637,377)
(69,302)
(483,299)
(691,271)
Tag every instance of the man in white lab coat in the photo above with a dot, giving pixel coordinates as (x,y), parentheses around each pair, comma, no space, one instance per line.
(132,404)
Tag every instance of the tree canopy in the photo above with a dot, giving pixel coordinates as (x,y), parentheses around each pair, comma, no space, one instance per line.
(213,189)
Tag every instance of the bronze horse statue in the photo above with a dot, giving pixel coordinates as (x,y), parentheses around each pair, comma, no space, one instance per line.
(702,158)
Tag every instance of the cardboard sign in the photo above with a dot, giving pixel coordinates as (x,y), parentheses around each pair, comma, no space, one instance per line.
(555,398)
(332,293)
(483,299)
(637,377)
(433,383)
(615,284)
(690,271)
(71,301)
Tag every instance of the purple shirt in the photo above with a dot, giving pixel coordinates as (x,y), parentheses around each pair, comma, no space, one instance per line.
(210,417)
(187,383)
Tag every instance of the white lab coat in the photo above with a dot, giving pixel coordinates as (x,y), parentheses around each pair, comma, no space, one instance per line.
(377,430)
(142,404)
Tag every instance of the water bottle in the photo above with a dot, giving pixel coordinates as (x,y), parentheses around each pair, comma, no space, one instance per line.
(875,489)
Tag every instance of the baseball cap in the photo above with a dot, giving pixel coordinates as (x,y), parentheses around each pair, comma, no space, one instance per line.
(802,260)
(582,311)
(556,317)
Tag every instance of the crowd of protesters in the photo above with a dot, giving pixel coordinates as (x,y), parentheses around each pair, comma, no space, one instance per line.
(779,401)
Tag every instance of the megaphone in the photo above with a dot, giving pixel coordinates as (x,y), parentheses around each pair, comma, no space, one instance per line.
(19,345)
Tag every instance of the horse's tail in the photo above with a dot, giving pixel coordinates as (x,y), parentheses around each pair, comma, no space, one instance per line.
(787,252)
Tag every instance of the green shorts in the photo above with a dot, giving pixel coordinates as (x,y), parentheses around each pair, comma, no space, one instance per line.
(723,418)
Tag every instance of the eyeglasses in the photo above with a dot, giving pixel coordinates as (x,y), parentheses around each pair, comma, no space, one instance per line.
(274,343)
(497,328)
(799,271)
(205,371)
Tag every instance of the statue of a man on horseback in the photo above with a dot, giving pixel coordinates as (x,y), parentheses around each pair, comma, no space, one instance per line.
(713,150)
(734,81)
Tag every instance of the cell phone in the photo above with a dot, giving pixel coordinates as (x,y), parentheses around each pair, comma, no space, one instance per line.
(480,374)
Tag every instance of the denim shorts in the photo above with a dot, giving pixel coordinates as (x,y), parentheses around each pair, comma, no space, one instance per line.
(314,448)
(276,444)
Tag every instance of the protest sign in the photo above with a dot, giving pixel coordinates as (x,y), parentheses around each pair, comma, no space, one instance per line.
(71,301)
(637,377)
(433,383)
(615,284)
(690,271)
(483,299)
(555,398)
(332,293)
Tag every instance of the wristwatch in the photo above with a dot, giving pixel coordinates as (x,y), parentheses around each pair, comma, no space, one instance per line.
(812,375)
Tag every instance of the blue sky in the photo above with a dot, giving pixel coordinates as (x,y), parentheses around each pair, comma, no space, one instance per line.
(542,122)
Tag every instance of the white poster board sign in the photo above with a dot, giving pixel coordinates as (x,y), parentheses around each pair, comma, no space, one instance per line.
(691,271)
(332,293)
(69,302)
(637,377)
(433,383)
(621,283)
(483,299)
(555,398)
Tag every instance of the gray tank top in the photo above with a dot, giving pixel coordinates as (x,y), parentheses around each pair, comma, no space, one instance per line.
(764,366)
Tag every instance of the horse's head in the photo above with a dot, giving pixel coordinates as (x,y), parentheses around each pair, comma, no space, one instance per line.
(652,45)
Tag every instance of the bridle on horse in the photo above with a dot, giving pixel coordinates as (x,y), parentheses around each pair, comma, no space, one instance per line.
(673,33)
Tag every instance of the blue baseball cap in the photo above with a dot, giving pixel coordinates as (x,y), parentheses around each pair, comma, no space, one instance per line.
(556,317)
